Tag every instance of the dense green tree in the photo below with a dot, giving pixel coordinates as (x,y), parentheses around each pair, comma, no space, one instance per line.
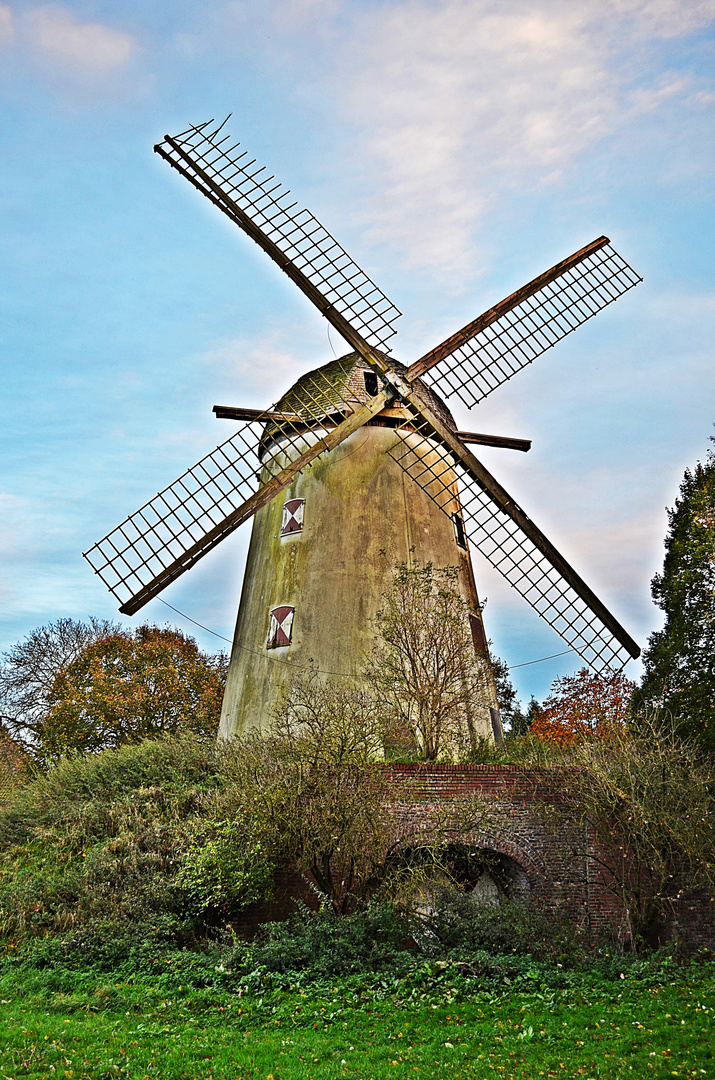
(679,675)
(520,722)
(506,692)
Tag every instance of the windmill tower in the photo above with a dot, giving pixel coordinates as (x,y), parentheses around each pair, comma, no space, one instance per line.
(359,465)
(322,552)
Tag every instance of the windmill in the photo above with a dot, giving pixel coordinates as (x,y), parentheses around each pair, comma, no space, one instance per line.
(361,461)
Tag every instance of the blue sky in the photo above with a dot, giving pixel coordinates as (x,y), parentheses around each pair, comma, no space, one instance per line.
(456,148)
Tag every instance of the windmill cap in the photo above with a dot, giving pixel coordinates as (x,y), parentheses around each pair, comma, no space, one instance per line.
(323,392)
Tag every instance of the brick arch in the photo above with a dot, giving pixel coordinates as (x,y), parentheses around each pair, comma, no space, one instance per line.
(532,866)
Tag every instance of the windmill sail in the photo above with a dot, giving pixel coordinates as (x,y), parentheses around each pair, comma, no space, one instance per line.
(294,238)
(511,542)
(177,527)
(488,351)
(170,533)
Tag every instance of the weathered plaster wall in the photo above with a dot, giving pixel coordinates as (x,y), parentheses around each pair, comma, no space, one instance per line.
(363,515)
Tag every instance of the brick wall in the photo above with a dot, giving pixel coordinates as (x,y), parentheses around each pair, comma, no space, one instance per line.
(552,850)
(558,855)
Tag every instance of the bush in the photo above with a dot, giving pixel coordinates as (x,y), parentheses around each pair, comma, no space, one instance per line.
(224,870)
(457,926)
(375,939)
(98,841)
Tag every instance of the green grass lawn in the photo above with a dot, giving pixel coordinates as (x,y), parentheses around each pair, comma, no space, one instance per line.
(426,1024)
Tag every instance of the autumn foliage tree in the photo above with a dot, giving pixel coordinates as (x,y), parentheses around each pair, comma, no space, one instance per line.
(29,669)
(125,687)
(583,706)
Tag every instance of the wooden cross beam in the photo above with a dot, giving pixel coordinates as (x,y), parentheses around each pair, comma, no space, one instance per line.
(228,412)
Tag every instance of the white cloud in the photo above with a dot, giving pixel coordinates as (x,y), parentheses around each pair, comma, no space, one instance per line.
(54,32)
(7,28)
(83,62)
(453,101)
(264,368)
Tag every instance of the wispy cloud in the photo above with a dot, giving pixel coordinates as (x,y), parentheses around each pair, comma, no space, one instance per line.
(263,367)
(57,34)
(454,100)
(452,105)
(83,61)
(7,27)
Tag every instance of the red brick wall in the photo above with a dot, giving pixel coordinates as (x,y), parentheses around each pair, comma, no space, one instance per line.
(558,855)
(553,854)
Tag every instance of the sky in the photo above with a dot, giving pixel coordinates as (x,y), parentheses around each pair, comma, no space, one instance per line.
(456,148)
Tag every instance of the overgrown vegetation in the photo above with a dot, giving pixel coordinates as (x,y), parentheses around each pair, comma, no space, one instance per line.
(173,839)
(648,799)
(93,846)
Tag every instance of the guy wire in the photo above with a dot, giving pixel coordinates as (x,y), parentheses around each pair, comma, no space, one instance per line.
(341,674)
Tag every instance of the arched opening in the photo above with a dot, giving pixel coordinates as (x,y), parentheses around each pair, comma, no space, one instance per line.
(466,896)
(483,875)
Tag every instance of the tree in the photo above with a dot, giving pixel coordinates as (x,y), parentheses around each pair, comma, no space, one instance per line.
(325,722)
(29,670)
(309,794)
(583,706)
(506,693)
(521,722)
(435,686)
(679,676)
(647,799)
(125,687)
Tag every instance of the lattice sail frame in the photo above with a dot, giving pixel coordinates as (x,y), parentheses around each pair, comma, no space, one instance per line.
(167,535)
(171,532)
(499,538)
(301,238)
(518,337)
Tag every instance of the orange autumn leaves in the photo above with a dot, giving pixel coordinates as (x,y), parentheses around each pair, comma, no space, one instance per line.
(583,706)
(130,686)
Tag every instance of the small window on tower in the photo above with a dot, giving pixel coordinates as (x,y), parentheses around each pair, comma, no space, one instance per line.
(292,517)
(281,628)
(371,384)
(459,530)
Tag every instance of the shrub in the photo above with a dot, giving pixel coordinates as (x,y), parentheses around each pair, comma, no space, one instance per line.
(458,926)
(374,939)
(99,840)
